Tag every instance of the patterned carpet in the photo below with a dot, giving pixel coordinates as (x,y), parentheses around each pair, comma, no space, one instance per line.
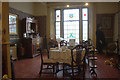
(30,67)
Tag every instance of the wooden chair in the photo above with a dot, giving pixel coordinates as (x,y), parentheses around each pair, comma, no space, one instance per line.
(92,59)
(47,64)
(90,51)
(77,63)
(63,43)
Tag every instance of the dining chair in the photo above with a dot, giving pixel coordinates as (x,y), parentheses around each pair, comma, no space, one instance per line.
(77,63)
(52,43)
(88,47)
(47,65)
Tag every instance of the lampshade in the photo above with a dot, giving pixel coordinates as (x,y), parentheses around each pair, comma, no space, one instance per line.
(59,39)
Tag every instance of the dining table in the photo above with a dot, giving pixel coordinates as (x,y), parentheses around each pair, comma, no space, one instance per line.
(60,55)
(63,56)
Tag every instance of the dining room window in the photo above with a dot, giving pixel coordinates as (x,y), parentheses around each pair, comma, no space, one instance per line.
(85,24)
(57,23)
(13,24)
(71,24)
(72,21)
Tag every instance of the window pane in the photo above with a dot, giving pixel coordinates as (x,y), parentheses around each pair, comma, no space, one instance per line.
(71,14)
(71,30)
(57,29)
(12,24)
(12,28)
(12,19)
(85,14)
(85,30)
(57,15)
(71,24)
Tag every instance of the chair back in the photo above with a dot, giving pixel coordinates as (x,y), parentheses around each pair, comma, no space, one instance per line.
(63,43)
(53,43)
(78,54)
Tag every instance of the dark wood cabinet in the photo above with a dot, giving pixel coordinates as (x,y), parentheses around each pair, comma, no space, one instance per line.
(31,38)
(31,45)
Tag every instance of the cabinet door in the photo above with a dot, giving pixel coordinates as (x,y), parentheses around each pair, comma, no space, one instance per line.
(33,49)
(27,45)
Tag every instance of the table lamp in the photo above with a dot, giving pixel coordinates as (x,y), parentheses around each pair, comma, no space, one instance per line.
(58,40)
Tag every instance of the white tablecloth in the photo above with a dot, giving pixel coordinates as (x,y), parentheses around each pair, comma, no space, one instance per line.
(61,56)
(65,56)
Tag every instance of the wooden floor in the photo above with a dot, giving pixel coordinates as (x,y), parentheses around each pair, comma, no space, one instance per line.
(30,67)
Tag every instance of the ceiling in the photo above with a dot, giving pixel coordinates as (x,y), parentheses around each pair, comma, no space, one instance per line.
(59,0)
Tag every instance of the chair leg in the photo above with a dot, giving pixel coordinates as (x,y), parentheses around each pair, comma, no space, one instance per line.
(41,69)
(72,71)
(88,61)
(57,68)
(83,72)
(79,70)
(63,70)
(54,70)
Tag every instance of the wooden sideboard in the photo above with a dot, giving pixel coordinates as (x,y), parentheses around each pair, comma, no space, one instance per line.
(31,41)
(31,45)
